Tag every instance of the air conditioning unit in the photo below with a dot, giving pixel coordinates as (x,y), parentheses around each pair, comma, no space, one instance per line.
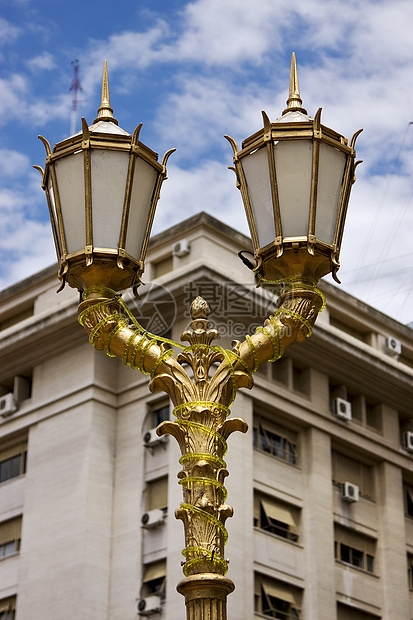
(151,439)
(149,605)
(342,408)
(408,441)
(181,248)
(8,405)
(392,346)
(350,492)
(152,518)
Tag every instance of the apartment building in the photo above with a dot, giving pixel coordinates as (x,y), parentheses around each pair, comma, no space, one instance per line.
(321,484)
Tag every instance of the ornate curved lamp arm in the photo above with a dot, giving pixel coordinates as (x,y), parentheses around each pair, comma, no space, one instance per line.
(111,331)
(296,312)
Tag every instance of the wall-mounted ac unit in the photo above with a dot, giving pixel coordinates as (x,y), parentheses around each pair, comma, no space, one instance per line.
(149,605)
(392,346)
(181,248)
(350,492)
(8,405)
(152,518)
(408,441)
(342,408)
(150,438)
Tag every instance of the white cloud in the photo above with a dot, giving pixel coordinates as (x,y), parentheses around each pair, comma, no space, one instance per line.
(44,61)
(208,187)
(13,163)
(376,257)
(13,100)
(8,32)
(32,250)
(221,33)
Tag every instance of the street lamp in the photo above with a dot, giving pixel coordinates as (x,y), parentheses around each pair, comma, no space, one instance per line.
(295,177)
(102,187)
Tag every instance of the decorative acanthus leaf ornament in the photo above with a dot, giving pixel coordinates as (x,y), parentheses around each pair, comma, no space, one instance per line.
(201,429)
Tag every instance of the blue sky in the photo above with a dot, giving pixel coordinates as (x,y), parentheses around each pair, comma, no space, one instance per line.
(194,71)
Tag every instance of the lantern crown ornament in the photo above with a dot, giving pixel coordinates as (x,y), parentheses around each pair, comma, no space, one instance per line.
(102,186)
(295,177)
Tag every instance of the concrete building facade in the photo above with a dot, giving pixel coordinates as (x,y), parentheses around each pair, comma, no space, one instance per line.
(321,485)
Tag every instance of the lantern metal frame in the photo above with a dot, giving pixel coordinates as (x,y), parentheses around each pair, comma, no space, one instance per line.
(301,256)
(113,268)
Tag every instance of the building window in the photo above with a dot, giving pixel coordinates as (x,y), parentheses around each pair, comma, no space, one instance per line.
(275,440)
(366,412)
(154,579)
(276,517)
(347,469)
(410,570)
(162,266)
(159,414)
(8,608)
(408,500)
(354,549)
(373,416)
(13,462)
(275,599)
(10,535)
(20,386)
(294,375)
(349,613)
(157,494)
(300,378)
(281,371)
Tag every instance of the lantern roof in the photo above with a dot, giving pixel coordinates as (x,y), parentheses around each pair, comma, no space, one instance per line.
(294,116)
(107,127)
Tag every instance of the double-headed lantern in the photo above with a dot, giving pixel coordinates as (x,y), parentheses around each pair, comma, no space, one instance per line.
(102,186)
(295,176)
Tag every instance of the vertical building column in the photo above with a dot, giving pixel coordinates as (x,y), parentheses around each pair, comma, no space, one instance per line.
(392,542)
(317,526)
(66,538)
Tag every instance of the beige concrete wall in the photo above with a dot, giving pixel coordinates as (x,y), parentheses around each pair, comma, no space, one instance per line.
(317,526)
(64,563)
(392,542)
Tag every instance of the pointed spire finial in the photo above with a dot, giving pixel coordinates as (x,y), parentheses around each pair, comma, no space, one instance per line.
(294,101)
(105,112)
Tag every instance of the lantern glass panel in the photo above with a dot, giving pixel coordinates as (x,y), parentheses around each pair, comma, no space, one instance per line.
(71,186)
(257,174)
(109,175)
(143,186)
(52,204)
(330,178)
(293,164)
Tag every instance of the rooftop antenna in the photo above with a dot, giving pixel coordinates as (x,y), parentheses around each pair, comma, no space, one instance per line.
(75,88)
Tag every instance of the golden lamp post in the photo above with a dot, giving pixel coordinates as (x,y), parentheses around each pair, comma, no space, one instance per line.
(102,186)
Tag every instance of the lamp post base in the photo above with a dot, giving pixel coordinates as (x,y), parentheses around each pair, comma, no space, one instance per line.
(206,596)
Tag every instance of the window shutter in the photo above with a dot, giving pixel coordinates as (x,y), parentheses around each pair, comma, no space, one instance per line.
(280,512)
(10,530)
(156,570)
(158,493)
